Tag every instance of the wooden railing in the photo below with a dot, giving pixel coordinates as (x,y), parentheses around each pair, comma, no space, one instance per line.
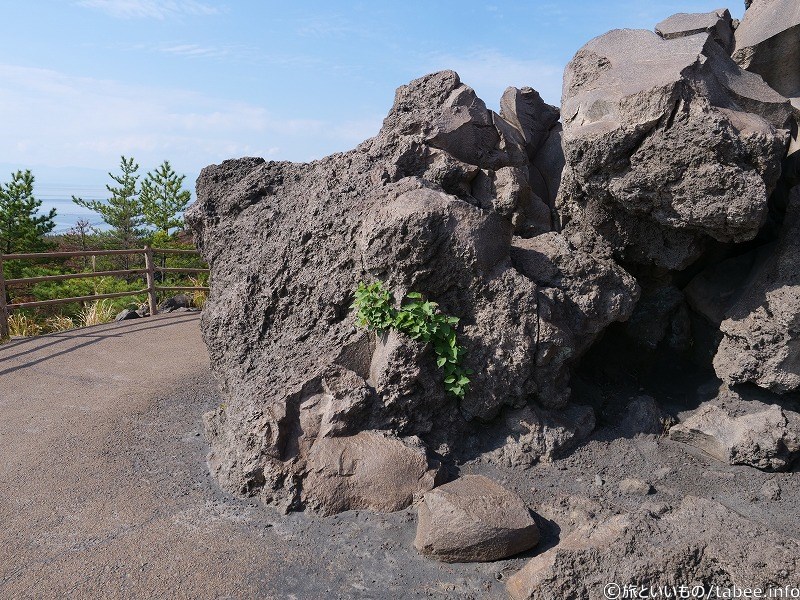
(149,273)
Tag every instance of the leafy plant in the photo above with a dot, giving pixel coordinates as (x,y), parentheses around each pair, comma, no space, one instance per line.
(421,320)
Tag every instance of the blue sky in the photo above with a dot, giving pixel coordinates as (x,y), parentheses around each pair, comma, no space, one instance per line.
(196,82)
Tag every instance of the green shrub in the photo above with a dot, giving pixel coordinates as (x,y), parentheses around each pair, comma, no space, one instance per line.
(420,320)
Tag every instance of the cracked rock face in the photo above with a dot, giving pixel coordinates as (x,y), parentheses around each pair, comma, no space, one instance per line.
(441,202)
(668,144)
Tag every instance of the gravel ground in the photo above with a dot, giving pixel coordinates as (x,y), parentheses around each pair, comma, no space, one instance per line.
(104,490)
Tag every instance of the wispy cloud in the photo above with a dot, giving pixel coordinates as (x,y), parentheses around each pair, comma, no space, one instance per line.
(490,72)
(329,26)
(57,119)
(150,9)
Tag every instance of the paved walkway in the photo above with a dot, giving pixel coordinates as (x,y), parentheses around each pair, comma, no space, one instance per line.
(104,490)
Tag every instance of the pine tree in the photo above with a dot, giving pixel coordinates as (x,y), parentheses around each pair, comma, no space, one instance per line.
(21,227)
(163,199)
(123,210)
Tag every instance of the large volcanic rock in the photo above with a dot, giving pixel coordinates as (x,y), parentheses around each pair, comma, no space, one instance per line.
(668,144)
(767,44)
(432,204)
(761,331)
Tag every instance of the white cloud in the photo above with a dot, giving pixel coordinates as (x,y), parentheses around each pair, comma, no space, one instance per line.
(150,9)
(490,72)
(62,120)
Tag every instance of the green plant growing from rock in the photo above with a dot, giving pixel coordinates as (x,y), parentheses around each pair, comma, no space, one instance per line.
(420,320)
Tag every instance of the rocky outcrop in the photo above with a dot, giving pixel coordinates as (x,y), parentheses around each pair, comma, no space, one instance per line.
(441,202)
(699,544)
(668,144)
(473,519)
(761,331)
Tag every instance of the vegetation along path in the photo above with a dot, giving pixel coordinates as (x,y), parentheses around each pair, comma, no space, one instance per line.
(104,490)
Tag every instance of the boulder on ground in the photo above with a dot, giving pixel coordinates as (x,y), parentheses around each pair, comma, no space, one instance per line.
(473,519)
(432,204)
(717,23)
(761,331)
(668,144)
(126,314)
(369,470)
(699,544)
(174,303)
(742,432)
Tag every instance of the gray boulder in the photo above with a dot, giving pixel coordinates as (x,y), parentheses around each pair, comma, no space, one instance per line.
(768,44)
(288,243)
(174,303)
(717,23)
(761,331)
(742,432)
(668,143)
(698,544)
(127,314)
(473,519)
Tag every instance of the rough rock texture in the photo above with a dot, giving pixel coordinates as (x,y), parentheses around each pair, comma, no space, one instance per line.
(668,144)
(436,203)
(473,519)
(718,23)
(742,432)
(713,291)
(761,342)
(767,44)
(700,543)
(525,436)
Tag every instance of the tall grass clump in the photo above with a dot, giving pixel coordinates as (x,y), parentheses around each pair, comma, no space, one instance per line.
(97,313)
(20,324)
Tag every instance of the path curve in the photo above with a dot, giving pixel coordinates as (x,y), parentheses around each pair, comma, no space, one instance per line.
(104,490)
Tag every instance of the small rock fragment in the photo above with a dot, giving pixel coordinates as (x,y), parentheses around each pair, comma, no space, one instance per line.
(635,487)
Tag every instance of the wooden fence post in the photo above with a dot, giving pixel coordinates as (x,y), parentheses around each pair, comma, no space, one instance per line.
(151,279)
(4,333)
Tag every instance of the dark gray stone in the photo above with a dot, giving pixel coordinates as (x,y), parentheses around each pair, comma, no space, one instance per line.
(126,314)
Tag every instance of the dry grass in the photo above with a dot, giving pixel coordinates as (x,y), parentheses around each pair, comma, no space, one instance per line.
(58,323)
(22,325)
(198,296)
(97,313)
